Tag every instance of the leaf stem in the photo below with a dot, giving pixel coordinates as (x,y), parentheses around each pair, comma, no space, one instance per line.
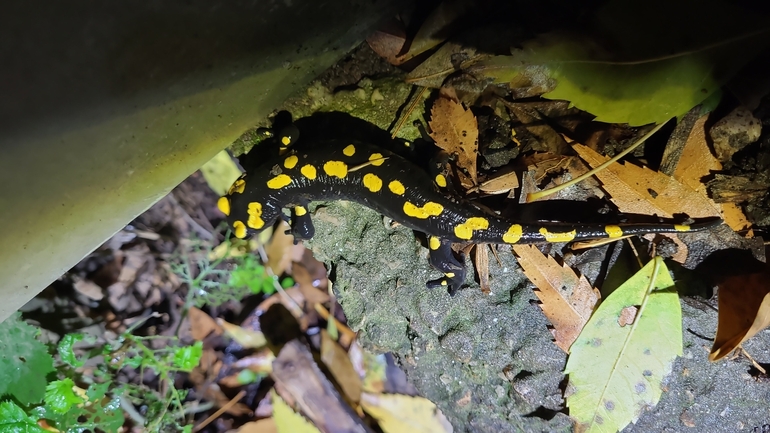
(537,195)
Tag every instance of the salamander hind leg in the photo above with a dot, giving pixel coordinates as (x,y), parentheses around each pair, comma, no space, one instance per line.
(443,259)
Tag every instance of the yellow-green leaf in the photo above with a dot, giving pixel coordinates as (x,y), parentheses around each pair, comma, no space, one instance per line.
(398,413)
(616,371)
(288,421)
(220,172)
(647,76)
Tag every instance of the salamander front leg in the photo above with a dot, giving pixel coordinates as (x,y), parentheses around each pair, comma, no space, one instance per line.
(301,225)
(443,259)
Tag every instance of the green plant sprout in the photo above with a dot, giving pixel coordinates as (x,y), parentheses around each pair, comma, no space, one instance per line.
(224,278)
(57,395)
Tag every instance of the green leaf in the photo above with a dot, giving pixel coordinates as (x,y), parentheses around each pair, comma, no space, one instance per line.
(101,412)
(136,361)
(60,397)
(24,361)
(246,377)
(649,77)
(10,412)
(616,371)
(14,420)
(186,358)
(66,351)
(250,273)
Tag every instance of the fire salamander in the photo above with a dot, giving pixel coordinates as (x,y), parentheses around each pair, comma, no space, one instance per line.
(295,172)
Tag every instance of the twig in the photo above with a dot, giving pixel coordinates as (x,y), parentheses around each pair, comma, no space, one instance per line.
(219,412)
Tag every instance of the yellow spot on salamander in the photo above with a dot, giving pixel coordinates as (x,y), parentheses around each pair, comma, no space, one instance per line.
(290,161)
(429,209)
(239,229)
(613,231)
(396,187)
(434,243)
(557,237)
(224,205)
(286,140)
(238,186)
(441,180)
(682,228)
(443,282)
(308,171)
(513,234)
(336,168)
(349,150)
(450,274)
(465,230)
(300,210)
(255,216)
(279,181)
(372,182)
(377,159)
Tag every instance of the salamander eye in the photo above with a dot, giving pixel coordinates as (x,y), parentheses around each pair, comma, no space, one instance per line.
(265,133)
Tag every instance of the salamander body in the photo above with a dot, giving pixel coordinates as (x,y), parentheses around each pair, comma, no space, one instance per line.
(297,171)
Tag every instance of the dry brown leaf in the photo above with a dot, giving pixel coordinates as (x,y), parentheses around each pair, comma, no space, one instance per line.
(280,250)
(438,25)
(627,316)
(502,183)
(208,367)
(260,362)
(296,373)
(304,318)
(388,40)
(347,336)
(481,262)
(697,162)
(231,381)
(744,310)
(546,138)
(546,170)
(455,130)
(640,190)
(566,299)
(338,362)
(201,324)
(433,72)
(310,276)
(682,251)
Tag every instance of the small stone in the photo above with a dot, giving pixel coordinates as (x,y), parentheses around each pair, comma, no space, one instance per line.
(687,419)
(734,132)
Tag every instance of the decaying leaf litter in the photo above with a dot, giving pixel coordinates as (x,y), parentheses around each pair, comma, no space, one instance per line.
(542,145)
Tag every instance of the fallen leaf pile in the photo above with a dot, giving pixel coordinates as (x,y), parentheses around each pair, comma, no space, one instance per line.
(350,397)
(641,319)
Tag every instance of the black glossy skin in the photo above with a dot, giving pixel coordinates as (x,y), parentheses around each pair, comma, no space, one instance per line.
(279,182)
